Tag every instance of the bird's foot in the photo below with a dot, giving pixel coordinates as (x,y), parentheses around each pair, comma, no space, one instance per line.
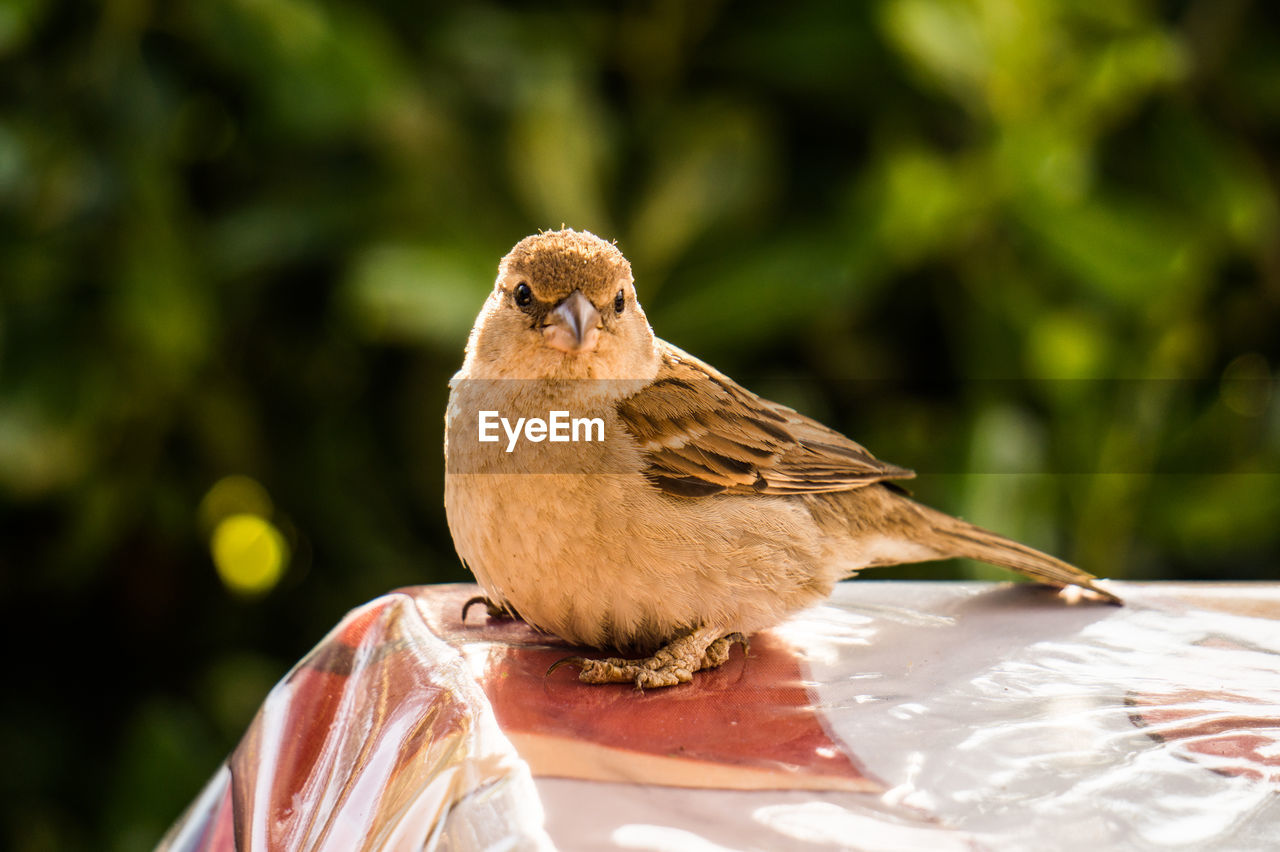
(675,663)
(492,609)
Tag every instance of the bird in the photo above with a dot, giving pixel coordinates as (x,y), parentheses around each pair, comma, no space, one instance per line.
(703,514)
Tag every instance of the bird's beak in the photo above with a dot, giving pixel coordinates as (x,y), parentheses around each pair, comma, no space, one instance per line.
(574,325)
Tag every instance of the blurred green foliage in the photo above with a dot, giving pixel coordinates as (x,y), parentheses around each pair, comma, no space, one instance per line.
(1030,249)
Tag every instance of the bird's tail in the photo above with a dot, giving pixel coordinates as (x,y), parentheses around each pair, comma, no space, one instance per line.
(957,538)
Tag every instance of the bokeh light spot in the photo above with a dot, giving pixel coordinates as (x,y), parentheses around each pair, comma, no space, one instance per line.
(1067,345)
(234,495)
(249,553)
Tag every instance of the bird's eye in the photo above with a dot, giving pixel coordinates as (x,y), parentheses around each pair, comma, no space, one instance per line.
(619,302)
(524,296)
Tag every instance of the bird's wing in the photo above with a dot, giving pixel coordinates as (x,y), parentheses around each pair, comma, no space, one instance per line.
(703,433)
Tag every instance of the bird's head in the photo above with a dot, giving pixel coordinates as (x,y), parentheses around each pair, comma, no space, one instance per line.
(563,307)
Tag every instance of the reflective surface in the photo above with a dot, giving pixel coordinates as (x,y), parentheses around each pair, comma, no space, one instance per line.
(897,716)
(1039,725)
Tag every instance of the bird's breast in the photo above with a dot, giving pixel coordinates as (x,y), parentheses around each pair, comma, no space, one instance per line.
(584,546)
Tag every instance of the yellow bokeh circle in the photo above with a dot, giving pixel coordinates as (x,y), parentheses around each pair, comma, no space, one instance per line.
(234,495)
(249,553)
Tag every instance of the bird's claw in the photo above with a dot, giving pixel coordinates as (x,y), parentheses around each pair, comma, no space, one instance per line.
(732,639)
(673,664)
(491,609)
(580,662)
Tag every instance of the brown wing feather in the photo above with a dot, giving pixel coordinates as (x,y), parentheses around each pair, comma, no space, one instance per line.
(705,434)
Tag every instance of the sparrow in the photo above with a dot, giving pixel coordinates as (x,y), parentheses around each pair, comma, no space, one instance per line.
(704,514)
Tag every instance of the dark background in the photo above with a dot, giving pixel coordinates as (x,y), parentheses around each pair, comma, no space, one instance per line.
(1028,249)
